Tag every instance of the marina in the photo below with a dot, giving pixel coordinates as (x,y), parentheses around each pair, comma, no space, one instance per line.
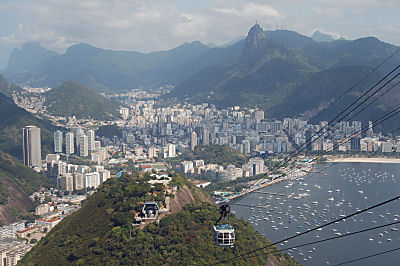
(321,198)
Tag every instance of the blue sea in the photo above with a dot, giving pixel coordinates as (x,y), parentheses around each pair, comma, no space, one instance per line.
(321,197)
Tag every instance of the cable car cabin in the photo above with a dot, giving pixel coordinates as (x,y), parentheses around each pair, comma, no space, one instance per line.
(224,235)
(150,210)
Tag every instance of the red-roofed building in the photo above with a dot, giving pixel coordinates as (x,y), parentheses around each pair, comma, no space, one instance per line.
(24,233)
(49,223)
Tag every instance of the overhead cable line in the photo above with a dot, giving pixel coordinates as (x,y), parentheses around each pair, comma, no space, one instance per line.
(322,240)
(332,122)
(381,119)
(369,256)
(357,83)
(314,229)
(345,140)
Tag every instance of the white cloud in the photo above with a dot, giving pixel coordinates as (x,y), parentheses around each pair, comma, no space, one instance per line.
(136,25)
(329,12)
(158,24)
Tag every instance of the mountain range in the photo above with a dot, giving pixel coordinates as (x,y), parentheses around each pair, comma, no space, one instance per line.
(287,74)
(106,70)
(282,72)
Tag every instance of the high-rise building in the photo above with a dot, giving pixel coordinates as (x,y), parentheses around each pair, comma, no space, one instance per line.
(171,150)
(69,143)
(259,115)
(58,141)
(91,180)
(193,141)
(91,139)
(308,137)
(78,181)
(355,144)
(206,137)
(31,146)
(83,146)
(123,148)
(67,182)
(246,146)
(78,133)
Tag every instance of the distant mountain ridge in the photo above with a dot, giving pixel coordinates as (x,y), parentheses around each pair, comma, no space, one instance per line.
(322,37)
(29,56)
(106,70)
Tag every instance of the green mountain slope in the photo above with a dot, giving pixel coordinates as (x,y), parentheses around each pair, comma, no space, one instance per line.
(313,91)
(7,88)
(100,233)
(12,120)
(74,99)
(17,182)
(264,73)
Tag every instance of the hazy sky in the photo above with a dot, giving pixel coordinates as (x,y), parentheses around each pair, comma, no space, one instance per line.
(150,25)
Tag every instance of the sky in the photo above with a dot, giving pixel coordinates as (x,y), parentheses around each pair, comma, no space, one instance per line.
(151,25)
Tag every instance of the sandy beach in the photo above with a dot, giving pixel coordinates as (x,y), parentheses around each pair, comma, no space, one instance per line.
(365,160)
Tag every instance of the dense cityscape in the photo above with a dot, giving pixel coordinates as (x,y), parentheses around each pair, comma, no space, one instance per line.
(151,135)
(199,133)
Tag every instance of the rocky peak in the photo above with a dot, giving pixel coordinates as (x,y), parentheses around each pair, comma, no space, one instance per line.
(254,42)
(256,33)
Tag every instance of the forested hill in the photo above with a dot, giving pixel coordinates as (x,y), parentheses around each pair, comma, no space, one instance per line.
(17,183)
(100,233)
(12,120)
(7,88)
(74,99)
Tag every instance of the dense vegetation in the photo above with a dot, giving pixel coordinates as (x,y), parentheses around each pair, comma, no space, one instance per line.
(7,88)
(236,185)
(216,154)
(109,131)
(24,177)
(12,120)
(17,182)
(74,99)
(100,233)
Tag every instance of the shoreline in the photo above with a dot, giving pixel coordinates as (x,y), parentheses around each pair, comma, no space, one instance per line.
(363,160)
